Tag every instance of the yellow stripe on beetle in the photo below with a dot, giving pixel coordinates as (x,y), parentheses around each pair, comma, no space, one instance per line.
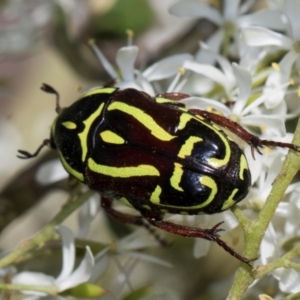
(87,125)
(99,90)
(69,125)
(145,119)
(229,202)
(176,177)
(110,137)
(243,166)
(204,180)
(188,146)
(122,172)
(69,169)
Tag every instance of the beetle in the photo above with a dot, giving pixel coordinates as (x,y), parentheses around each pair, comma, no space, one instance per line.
(153,154)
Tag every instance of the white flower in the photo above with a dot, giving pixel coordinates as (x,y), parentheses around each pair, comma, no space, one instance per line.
(132,78)
(260,37)
(68,277)
(229,21)
(237,83)
(130,250)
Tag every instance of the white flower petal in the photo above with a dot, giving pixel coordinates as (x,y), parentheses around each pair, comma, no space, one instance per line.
(255,164)
(68,251)
(147,257)
(277,78)
(230,220)
(231,9)
(214,42)
(275,124)
(209,71)
(244,82)
(105,63)
(268,246)
(166,67)
(125,60)
(138,239)
(50,172)
(263,18)
(35,279)
(258,36)
(292,12)
(288,280)
(86,215)
(204,103)
(201,248)
(81,274)
(102,261)
(127,84)
(223,63)
(193,8)
(283,209)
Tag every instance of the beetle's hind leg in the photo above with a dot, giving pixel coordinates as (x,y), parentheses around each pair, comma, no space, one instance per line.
(211,234)
(106,204)
(253,141)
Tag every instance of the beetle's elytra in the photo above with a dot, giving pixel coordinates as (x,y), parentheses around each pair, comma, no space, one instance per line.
(153,155)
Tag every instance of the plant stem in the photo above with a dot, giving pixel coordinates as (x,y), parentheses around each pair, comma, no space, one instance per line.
(75,200)
(255,232)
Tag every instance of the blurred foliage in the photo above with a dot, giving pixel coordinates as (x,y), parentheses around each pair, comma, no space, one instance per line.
(125,14)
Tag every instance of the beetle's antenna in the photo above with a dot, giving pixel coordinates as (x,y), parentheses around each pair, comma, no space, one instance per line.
(49,89)
(26,154)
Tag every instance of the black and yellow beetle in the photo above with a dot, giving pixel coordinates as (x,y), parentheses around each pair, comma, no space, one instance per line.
(153,155)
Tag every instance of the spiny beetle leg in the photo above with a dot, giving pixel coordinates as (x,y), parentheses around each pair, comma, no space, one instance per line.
(26,154)
(210,234)
(106,204)
(253,141)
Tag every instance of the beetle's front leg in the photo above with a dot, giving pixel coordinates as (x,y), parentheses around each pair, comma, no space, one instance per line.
(211,234)
(254,141)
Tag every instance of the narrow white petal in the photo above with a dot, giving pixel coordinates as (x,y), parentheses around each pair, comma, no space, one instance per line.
(138,239)
(214,42)
(50,172)
(223,63)
(258,36)
(201,248)
(292,12)
(166,67)
(244,81)
(86,215)
(274,123)
(255,165)
(193,8)
(102,262)
(204,103)
(231,9)
(68,251)
(288,280)
(105,63)
(268,247)
(230,220)
(277,78)
(147,258)
(209,71)
(81,274)
(125,59)
(283,210)
(265,18)
(35,279)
